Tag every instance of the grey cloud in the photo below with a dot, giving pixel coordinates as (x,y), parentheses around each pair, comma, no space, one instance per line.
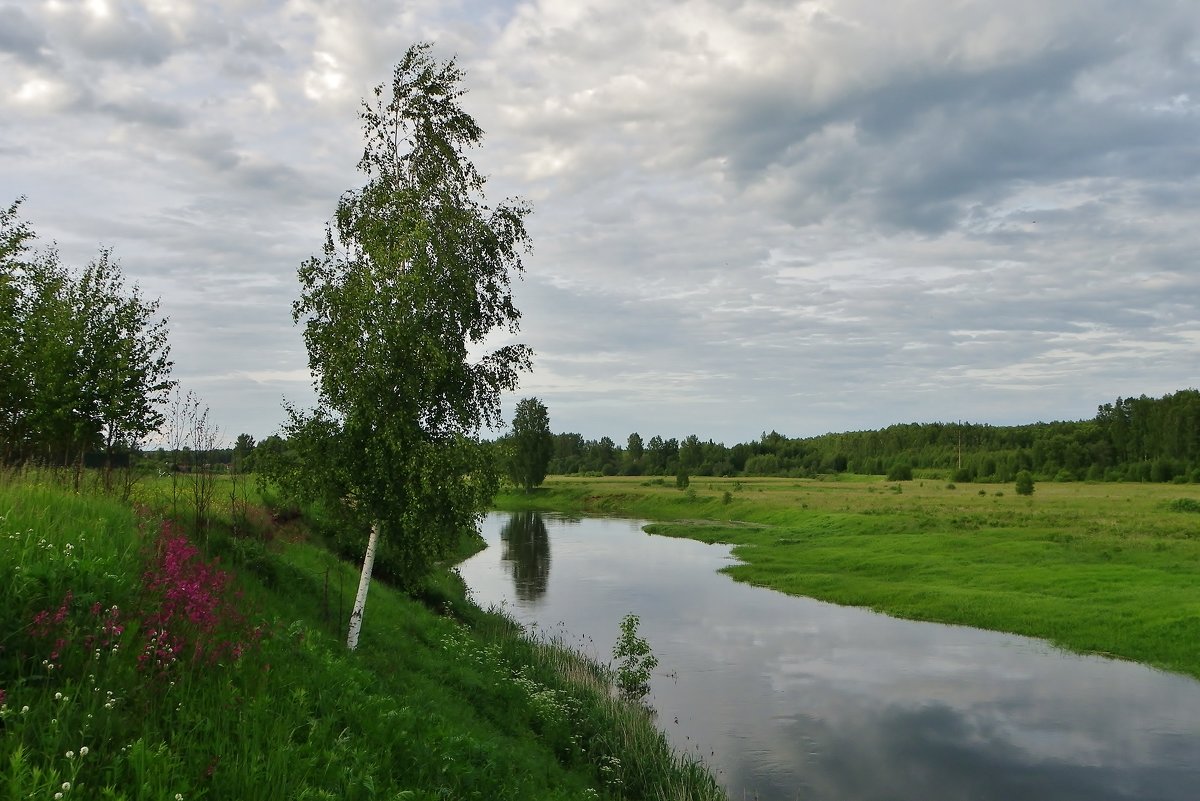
(836,234)
(127,36)
(21,37)
(143,111)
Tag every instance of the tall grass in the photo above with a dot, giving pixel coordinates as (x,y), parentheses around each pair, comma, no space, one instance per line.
(134,665)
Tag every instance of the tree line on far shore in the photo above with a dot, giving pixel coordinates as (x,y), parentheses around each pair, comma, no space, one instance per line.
(1134,439)
(1131,439)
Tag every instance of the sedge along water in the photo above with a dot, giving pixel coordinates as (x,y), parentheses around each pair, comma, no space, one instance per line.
(789,698)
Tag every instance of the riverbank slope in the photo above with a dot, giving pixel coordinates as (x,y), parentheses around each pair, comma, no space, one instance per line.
(1104,568)
(135,665)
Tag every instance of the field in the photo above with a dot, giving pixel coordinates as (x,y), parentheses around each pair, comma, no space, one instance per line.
(1103,568)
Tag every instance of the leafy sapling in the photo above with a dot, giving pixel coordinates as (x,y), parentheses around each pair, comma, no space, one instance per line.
(635,661)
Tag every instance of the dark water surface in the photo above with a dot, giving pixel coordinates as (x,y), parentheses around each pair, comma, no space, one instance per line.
(790,698)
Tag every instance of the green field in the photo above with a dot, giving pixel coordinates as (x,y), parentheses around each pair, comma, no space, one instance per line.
(1106,568)
(140,661)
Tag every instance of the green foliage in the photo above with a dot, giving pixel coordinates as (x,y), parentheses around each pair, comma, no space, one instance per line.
(243,450)
(900,471)
(430,708)
(1136,439)
(682,480)
(531,444)
(1024,483)
(634,451)
(84,363)
(635,661)
(413,277)
(1184,505)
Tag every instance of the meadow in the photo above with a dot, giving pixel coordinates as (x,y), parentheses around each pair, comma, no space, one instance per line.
(1103,568)
(142,660)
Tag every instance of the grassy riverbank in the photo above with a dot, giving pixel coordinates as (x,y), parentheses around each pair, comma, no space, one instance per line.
(134,666)
(1097,568)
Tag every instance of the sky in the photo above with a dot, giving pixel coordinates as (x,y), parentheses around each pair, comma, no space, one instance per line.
(747,216)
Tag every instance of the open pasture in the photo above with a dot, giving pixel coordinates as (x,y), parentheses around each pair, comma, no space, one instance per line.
(1106,568)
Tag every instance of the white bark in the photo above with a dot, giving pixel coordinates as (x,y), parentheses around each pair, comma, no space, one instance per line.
(364,583)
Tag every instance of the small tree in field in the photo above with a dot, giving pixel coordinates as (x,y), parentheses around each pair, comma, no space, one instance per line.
(1024,484)
(532,444)
(415,271)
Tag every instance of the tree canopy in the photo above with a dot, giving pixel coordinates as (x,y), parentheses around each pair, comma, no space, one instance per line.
(84,360)
(532,444)
(415,272)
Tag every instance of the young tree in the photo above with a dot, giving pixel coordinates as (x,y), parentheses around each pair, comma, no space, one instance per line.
(83,363)
(48,421)
(633,454)
(415,271)
(1024,483)
(123,358)
(242,450)
(14,234)
(532,444)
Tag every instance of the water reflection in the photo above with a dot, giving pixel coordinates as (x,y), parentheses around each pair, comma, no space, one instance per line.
(789,697)
(526,554)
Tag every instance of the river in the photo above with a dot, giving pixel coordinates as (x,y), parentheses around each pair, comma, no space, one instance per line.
(789,698)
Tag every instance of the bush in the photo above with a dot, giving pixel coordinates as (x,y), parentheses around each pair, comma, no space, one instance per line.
(1184,505)
(900,471)
(635,661)
(1024,483)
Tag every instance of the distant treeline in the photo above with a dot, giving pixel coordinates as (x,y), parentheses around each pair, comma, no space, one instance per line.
(1131,439)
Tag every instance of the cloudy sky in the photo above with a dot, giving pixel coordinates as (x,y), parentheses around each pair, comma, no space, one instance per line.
(801,216)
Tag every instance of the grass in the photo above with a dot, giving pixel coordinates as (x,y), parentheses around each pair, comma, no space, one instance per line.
(1112,569)
(134,665)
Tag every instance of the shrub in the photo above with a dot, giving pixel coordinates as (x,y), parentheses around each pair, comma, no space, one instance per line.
(900,471)
(1024,483)
(635,661)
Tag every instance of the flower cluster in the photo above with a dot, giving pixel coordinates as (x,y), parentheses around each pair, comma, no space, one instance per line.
(187,611)
(193,612)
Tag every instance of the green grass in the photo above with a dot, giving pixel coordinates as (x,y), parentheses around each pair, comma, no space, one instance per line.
(261,700)
(1097,568)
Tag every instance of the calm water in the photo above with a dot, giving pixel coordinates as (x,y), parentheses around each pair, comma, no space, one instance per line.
(792,698)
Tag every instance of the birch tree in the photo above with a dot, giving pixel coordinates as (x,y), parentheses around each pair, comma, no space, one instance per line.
(414,275)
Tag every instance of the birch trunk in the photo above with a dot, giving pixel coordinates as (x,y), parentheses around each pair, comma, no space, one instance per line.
(364,583)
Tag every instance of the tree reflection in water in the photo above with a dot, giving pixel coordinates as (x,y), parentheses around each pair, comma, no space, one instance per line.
(526,554)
